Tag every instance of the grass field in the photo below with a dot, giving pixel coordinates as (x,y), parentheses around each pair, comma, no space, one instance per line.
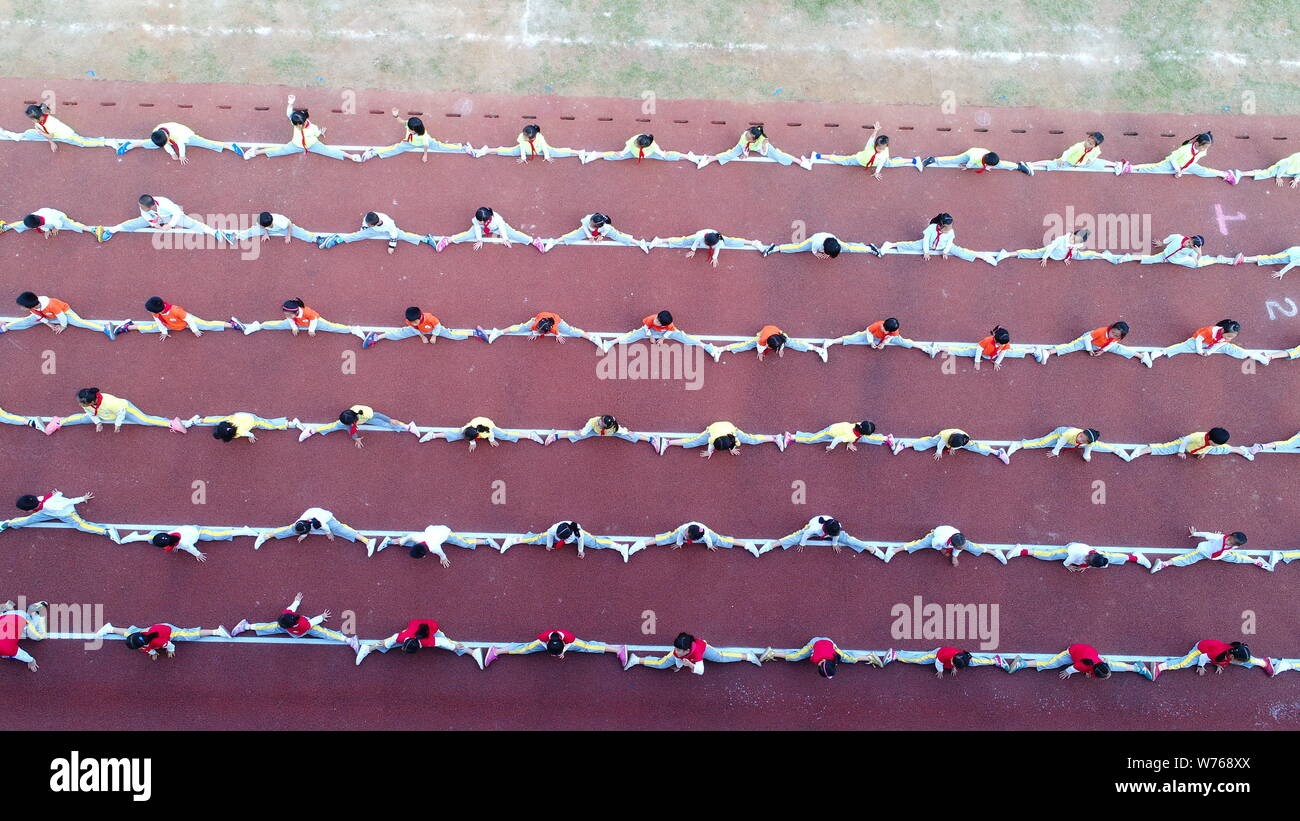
(1178,55)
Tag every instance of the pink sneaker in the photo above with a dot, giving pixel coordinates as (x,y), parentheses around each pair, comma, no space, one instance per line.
(537,243)
(622,656)
(442,243)
(53,425)
(306,432)
(490,657)
(177,425)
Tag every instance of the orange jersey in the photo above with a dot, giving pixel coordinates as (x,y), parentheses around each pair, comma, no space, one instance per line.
(427,322)
(555,329)
(174,318)
(877,330)
(52,309)
(308,316)
(766,334)
(1101,338)
(990,348)
(652,322)
(1210,334)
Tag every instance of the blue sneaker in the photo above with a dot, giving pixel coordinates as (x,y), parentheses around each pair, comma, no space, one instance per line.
(103,234)
(369,340)
(480,333)
(235,148)
(123,148)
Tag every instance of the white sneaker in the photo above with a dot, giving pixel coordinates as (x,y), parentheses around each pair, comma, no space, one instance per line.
(239,628)
(1158,566)
(428,436)
(507,543)
(363,652)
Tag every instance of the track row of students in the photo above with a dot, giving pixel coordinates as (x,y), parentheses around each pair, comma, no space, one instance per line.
(659,327)
(938,238)
(99,408)
(1186,158)
(686,653)
(820,531)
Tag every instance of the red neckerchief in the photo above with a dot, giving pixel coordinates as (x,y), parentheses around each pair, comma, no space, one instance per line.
(166,307)
(1086,151)
(533,147)
(40,502)
(410,136)
(170,141)
(41,123)
(171,547)
(640,154)
(1208,444)
(302,131)
(1191,159)
(872,161)
(485,227)
(1182,245)
(1223,548)
(937,233)
(982,167)
(99,399)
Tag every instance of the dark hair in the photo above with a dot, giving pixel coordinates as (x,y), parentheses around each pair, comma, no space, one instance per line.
(422,632)
(36,111)
(832,527)
(371,218)
(348,417)
(831,247)
(1218,436)
(891,324)
(87,396)
(33,221)
(883,139)
(1097,136)
(555,643)
(1200,139)
(418,550)
(158,137)
(413,313)
(531,131)
(1197,240)
(545,324)
(165,540)
(1082,233)
(644,140)
(138,640)
(664,318)
(957,540)
(598,219)
(27,502)
(958,440)
(1239,651)
(961,660)
(483,214)
(416,125)
(302,526)
(683,641)
(865,427)
(1238,537)
(155,305)
(147,201)
(567,529)
(991,158)
(776,341)
(287,620)
(265,219)
(1231,326)
(1101,670)
(941,219)
(694,532)
(27,299)
(1122,327)
(756,131)
(724,442)
(1092,433)
(1097,560)
(607,422)
(224,431)
(827,667)
(1000,335)
(299,116)
(712,238)
(294,304)
(411,645)
(469,432)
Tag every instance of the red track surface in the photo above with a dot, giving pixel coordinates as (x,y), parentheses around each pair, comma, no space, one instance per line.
(728,598)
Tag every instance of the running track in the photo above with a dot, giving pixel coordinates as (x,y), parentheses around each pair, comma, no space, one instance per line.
(728,598)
